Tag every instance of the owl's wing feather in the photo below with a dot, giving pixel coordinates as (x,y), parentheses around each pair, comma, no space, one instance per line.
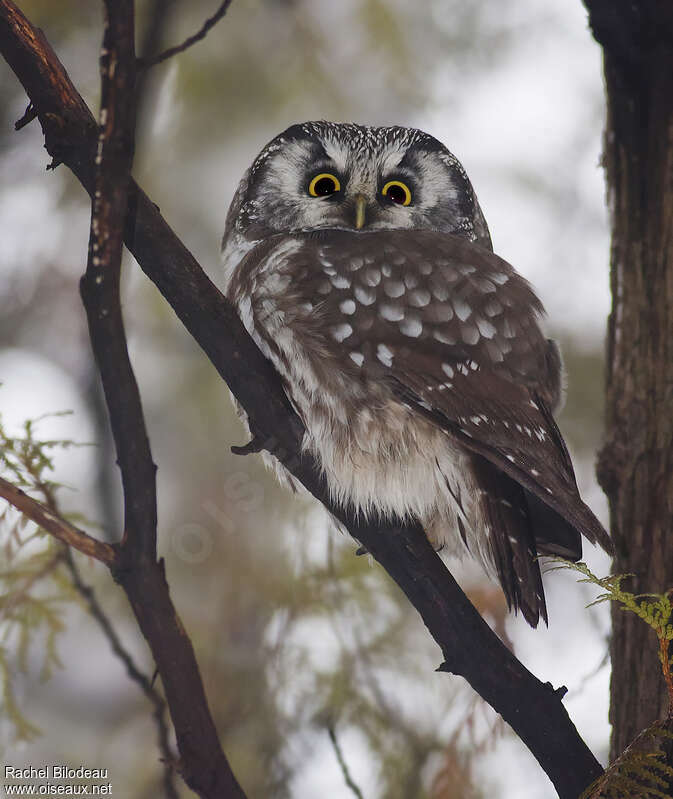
(511,540)
(455,330)
(526,488)
(524,443)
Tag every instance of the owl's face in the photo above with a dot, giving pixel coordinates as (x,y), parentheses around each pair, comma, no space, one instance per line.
(319,175)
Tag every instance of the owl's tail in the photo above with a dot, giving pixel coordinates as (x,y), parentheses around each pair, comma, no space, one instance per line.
(511,541)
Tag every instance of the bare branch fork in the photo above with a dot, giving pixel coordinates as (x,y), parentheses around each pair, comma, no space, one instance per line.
(150,61)
(133,561)
(469,647)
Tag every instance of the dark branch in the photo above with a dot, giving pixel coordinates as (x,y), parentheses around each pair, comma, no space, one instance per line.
(204,767)
(29,115)
(65,119)
(146,63)
(100,617)
(159,18)
(343,765)
(100,284)
(468,645)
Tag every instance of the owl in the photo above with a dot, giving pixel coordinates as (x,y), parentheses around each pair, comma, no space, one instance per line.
(361,264)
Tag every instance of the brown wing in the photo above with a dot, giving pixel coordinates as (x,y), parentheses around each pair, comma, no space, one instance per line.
(453,329)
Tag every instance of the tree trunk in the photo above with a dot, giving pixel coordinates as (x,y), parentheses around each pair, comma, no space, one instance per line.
(636,464)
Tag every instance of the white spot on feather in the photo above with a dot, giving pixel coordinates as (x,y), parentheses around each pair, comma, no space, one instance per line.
(443,337)
(340,282)
(384,355)
(411,327)
(485,328)
(462,309)
(371,277)
(392,313)
(419,298)
(493,308)
(440,292)
(364,296)
(507,329)
(341,332)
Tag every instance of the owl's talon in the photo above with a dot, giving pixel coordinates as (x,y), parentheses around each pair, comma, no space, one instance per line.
(254,445)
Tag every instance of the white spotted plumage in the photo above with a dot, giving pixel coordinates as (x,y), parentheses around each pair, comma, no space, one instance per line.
(413,354)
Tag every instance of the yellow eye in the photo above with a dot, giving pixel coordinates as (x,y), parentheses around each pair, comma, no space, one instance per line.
(397,192)
(323,185)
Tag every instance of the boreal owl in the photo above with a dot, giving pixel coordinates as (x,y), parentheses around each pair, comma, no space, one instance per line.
(361,264)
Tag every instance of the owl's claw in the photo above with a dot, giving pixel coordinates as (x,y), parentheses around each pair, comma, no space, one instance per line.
(254,445)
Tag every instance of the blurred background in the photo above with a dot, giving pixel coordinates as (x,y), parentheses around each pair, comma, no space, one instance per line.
(300,643)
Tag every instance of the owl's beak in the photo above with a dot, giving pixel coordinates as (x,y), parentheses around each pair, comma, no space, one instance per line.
(360,206)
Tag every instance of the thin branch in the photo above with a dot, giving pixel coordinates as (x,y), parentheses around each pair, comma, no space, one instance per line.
(21,594)
(61,111)
(57,526)
(96,611)
(159,14)
(100,284)
(203,763)
(146,63)
(29,115)
(343,765)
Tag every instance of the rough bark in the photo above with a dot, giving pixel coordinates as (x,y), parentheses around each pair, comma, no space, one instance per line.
(636,463)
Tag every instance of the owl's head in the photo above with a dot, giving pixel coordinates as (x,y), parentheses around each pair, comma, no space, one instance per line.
(330,175)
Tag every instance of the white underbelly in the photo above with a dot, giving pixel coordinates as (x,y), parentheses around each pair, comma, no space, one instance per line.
(377,454)
(393,462)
